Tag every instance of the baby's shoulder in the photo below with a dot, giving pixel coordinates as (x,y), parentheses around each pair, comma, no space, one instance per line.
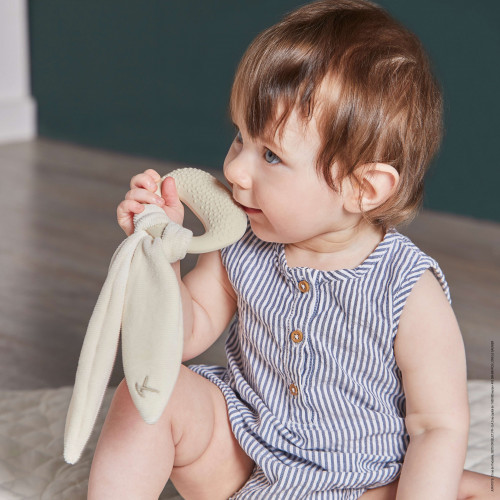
(406,258)
(403,247)
(407,264)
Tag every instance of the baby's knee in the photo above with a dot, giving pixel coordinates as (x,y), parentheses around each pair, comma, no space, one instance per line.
(180,403)
(191,403)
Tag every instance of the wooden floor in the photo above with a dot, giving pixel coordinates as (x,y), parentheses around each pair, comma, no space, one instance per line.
(58,233)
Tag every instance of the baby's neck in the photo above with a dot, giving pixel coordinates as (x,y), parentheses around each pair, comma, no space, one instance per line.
(344,249)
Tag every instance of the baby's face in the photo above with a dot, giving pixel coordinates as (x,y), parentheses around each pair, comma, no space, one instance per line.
(277,184)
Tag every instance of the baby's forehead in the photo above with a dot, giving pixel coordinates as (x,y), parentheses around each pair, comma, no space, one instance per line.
(283,127)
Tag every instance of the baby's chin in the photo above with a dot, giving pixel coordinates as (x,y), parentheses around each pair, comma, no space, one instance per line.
(262,232)
(270,234)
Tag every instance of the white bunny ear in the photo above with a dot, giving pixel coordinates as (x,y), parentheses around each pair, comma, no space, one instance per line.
(152,330)
(152,319)
(98,353)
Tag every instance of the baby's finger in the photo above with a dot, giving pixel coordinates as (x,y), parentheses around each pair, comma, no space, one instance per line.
(153,173)
(144,196)
(125,214)
(126,207)
(145,181)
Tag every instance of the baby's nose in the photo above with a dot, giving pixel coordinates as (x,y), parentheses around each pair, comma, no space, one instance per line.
(237,174)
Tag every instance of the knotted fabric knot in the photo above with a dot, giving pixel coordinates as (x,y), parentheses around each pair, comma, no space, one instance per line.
(175,238)
(176,241)
(152,215)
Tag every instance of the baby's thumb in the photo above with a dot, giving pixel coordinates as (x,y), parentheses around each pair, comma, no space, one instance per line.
(173,205)
(169,192)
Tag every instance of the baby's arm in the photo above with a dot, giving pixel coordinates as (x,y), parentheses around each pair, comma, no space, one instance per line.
(430,353)
(208,301)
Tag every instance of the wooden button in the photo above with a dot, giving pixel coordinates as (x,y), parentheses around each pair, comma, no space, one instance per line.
(294,390)
(297,336)
(303,286)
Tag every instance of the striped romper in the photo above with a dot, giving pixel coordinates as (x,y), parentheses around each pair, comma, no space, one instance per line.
(313,392)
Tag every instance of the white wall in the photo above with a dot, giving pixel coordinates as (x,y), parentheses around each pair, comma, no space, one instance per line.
(17,107)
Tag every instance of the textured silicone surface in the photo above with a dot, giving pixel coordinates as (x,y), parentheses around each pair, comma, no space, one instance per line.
(224,221)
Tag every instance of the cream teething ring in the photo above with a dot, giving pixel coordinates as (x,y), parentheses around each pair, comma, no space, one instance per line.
(213,204)
(141,297)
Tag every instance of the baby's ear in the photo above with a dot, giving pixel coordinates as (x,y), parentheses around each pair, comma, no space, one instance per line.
(372,185)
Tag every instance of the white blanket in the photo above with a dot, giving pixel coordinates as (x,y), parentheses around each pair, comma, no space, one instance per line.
(32,428)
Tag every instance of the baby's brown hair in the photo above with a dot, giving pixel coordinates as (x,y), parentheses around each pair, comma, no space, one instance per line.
(377,99)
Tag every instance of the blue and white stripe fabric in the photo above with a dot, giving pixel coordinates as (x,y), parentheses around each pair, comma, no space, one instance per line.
(313,391)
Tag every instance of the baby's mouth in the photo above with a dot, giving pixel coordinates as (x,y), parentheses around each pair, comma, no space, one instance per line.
(249,210)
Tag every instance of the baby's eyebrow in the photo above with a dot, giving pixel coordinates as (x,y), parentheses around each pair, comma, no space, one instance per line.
(274,146)
(268,140)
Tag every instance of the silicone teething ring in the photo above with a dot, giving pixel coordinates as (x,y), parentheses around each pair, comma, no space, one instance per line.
(224,221)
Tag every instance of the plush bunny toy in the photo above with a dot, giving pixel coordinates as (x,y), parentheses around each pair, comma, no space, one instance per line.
(141,297)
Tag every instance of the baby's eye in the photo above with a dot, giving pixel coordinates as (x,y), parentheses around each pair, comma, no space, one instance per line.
(271,157)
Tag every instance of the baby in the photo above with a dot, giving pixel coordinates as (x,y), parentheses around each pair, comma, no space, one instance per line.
(346,373)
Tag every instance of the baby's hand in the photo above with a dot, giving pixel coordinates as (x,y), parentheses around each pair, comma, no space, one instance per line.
(143,187)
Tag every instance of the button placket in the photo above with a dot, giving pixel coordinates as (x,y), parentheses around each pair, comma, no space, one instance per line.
(297,337)
(299,367)
(290,361)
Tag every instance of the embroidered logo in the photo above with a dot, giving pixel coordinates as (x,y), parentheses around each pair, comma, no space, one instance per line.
(140,390)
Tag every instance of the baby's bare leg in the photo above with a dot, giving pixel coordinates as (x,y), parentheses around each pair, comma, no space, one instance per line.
(473,486)
(192,442)
(476,486)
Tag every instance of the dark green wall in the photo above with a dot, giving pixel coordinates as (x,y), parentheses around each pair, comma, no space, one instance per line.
(152,78)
